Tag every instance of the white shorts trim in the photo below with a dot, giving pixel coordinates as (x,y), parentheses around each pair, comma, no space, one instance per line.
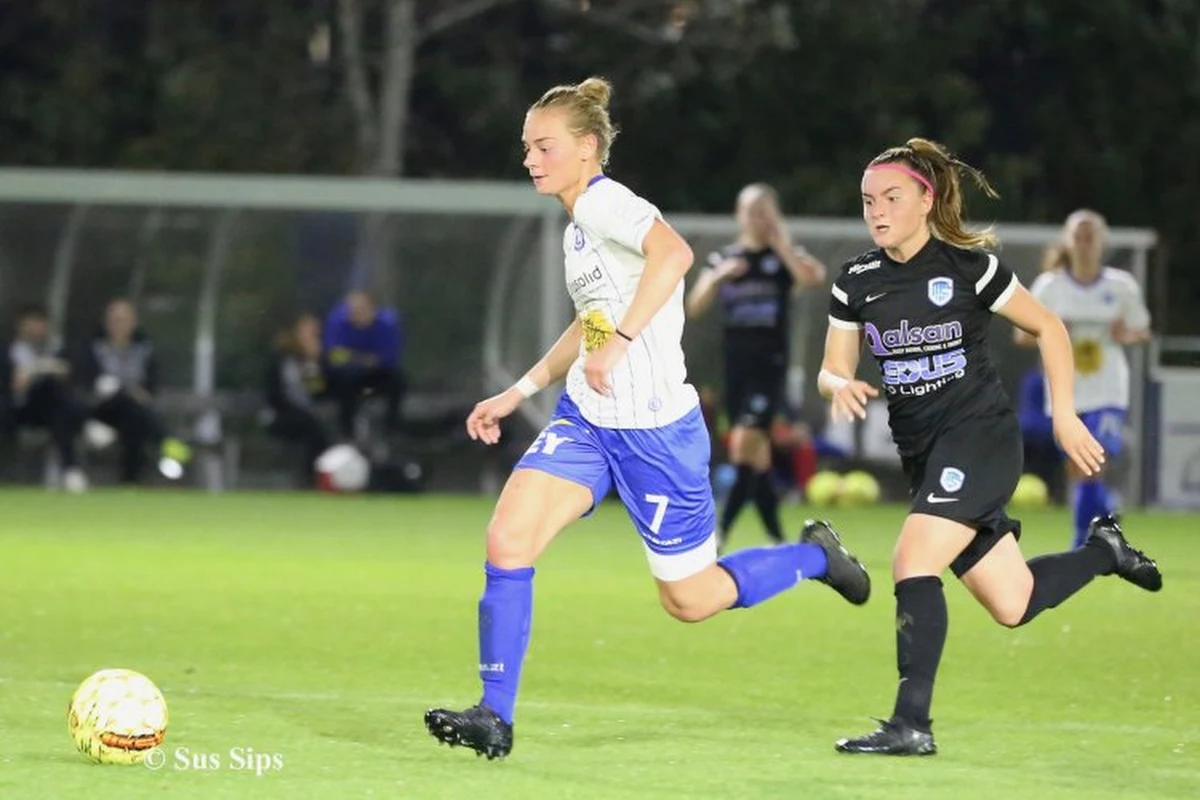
(677,566)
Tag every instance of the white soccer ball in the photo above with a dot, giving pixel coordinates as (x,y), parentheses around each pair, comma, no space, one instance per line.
(342,468)
(116,716)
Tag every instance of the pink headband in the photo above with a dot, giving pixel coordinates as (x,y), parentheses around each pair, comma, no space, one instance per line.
(912,173)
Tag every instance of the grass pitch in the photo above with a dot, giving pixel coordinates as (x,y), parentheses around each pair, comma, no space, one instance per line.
(299,640)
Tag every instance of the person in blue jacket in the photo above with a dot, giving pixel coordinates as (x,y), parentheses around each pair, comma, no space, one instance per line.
(363,350)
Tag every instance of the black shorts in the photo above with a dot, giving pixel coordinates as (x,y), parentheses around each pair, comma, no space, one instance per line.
(968,476)
(754,389)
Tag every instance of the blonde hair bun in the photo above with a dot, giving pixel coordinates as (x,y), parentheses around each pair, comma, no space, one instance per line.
(596,90)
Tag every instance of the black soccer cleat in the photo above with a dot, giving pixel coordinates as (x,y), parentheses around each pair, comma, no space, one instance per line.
(478,728)
(893,737)
(1132,565)
(845,573)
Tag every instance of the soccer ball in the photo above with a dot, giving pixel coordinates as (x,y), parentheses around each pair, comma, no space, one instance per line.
(859,488)
(1031,492)
(824,488)
(116,716)
(342,468)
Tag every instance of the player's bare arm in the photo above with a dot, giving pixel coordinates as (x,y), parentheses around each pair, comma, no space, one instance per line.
(1031,316)
(668,258)
(705,291)
(483,423)
(836,382)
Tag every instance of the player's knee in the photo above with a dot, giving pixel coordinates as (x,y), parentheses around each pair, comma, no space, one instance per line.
(683,605)
(1008,608)
(684,611)
(511,542)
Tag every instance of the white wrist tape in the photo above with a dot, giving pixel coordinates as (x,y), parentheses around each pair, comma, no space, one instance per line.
(834,382)
(527,387)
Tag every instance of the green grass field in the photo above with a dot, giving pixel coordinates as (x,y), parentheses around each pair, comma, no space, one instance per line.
(318,629)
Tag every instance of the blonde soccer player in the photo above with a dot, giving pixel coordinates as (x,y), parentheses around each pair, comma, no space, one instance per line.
(628,419)
(1104,312)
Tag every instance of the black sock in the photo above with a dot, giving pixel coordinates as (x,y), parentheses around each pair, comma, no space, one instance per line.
(737,496)
(921,624)
(1057,577)
(767,502)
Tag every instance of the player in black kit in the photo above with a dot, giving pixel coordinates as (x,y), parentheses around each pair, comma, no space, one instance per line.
(922,302)
(754,279)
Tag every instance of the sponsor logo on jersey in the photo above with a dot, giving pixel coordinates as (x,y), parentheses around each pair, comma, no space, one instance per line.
(585,280)
(579,240)
(952,479)
(924,369)
(941,290)
(860,268)
(597,329)
(906,337)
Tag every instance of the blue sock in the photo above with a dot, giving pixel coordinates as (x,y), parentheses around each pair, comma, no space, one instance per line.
(505,614)
(763,572)
(1091,501)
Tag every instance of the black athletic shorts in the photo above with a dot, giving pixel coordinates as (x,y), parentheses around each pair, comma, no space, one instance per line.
(968,476)
(754,386)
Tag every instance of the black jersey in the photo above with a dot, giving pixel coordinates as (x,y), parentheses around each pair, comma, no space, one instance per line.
(757,303)
(926,321)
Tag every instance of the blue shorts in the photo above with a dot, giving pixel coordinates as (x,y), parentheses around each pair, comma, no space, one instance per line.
(1108,426)
(661,475)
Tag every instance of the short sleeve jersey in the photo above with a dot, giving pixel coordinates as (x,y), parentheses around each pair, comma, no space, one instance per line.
(602,247)
(926,323)
(1089,311)
(756,303)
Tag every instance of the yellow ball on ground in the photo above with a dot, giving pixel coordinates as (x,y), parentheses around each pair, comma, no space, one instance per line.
(824,488)
(1031,492)
(859,488)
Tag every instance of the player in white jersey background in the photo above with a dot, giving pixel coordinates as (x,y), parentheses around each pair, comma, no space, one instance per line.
(628,419)
(1103,310)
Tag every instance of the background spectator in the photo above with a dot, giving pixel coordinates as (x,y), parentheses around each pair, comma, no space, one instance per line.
(40,392)
(363,346)
(294,382)
(119,369)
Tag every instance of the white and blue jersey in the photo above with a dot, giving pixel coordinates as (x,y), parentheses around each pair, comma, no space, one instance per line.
(648,440)
(1101,370)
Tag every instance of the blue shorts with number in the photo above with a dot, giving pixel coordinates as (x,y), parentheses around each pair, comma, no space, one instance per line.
(661,475)
(1108,426)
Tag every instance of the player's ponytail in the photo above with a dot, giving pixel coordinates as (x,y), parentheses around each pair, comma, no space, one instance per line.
(586,105)
(943,173)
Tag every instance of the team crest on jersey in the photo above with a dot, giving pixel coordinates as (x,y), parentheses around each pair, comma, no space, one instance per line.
(952,479)
(940,291)
(770,265)
(578,239)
